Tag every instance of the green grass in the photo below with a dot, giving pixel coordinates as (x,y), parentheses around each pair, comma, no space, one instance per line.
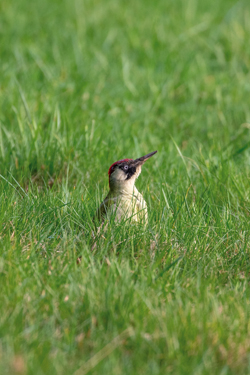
(86,83)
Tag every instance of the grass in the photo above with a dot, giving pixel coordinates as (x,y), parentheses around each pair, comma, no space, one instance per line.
(86,83)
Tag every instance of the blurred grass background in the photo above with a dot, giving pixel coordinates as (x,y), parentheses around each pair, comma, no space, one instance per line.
(86,83)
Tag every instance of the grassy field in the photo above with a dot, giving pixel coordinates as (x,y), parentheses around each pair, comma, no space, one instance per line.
(83,84)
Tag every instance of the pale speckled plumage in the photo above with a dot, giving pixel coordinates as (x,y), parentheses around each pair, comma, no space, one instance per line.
(124,206)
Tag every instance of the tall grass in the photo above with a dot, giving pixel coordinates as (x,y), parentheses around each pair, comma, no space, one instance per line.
(84,84)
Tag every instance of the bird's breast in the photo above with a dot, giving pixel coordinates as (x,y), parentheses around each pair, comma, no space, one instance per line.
(125,206)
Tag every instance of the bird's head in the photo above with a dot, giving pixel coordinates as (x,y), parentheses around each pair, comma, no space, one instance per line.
(123,173)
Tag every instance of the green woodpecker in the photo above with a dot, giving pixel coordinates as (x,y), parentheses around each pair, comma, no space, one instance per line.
(123,200)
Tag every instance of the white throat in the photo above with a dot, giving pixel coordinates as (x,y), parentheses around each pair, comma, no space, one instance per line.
(119,183)
(123,187)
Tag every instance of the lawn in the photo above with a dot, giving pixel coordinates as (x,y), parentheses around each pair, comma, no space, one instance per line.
(83,84)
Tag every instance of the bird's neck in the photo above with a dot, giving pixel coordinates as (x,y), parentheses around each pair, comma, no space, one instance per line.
(128,189)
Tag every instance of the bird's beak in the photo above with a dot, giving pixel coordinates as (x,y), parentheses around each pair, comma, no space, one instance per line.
(142,159)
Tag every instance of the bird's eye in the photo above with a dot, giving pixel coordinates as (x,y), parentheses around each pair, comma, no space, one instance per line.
(125,167)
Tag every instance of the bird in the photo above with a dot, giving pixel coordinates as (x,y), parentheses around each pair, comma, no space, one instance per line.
(124,201)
